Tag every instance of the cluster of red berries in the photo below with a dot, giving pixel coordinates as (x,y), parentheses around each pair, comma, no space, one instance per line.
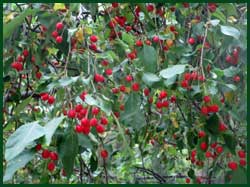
(46,97)
(84,126)
(234,57)
(18,64)
(209,108)
(191,77)
(55,33)
(162,101)
(46,154)
(242,155)
(135,86)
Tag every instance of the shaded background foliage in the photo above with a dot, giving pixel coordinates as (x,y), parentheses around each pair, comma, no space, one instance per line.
(148,139)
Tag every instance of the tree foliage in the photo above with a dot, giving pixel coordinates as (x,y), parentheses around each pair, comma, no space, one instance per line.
(124,92)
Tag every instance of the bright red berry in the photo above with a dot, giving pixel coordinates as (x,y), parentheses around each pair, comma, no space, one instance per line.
(51,99)
(187,76)
(165,104)
(104,153)
(128,28)
(129,78)
(93,47)
(108,71)
(243,162)
(17,66)
(139,43)
(184,84)
(59,26)
(20,59)
(54,34)
(78,108)
(105,63)
(201,134)
(191,41)
(219,149)
(135,87)
(25,53)
(38,75)
(38,147)
(93,38)
(233,165)
(206,99)
(82,96)
(163,94)
(115,5)
(236,78)
(51,166)
(45,154)
(159,104)
(203,146)
(45,96)
(59,39)
(222,127)
(104,120)
(71,113)
(228,58)
(100,129)
(93,122)
(208,154)
(146,91)
(86,130)
(187,180)
(53,156)
(241,154)
(95,110)
(173,99)
(150,8)
(213,108)
(156,39)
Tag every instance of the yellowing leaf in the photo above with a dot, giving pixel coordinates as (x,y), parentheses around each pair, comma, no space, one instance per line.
(88,30)
(52,51)
(231,19)
(229,96)
(9,17)
(59,6)
(79,35)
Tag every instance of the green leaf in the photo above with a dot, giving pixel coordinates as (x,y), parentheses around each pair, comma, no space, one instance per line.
(150,78)
(229,8)
(212,124)
(17,163)
(148,57)
(9,28)
(84,141)
(22,105)
(66,81)
(230,31)
(239,176)
(172,71)
(191,174)
(21,138)
(218,14)
(90,100)
(68,150)
(230,142)
(215,22)
(128,38)
(132,115)
(231,86)
(93,162)
(231,71)
(51,127)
